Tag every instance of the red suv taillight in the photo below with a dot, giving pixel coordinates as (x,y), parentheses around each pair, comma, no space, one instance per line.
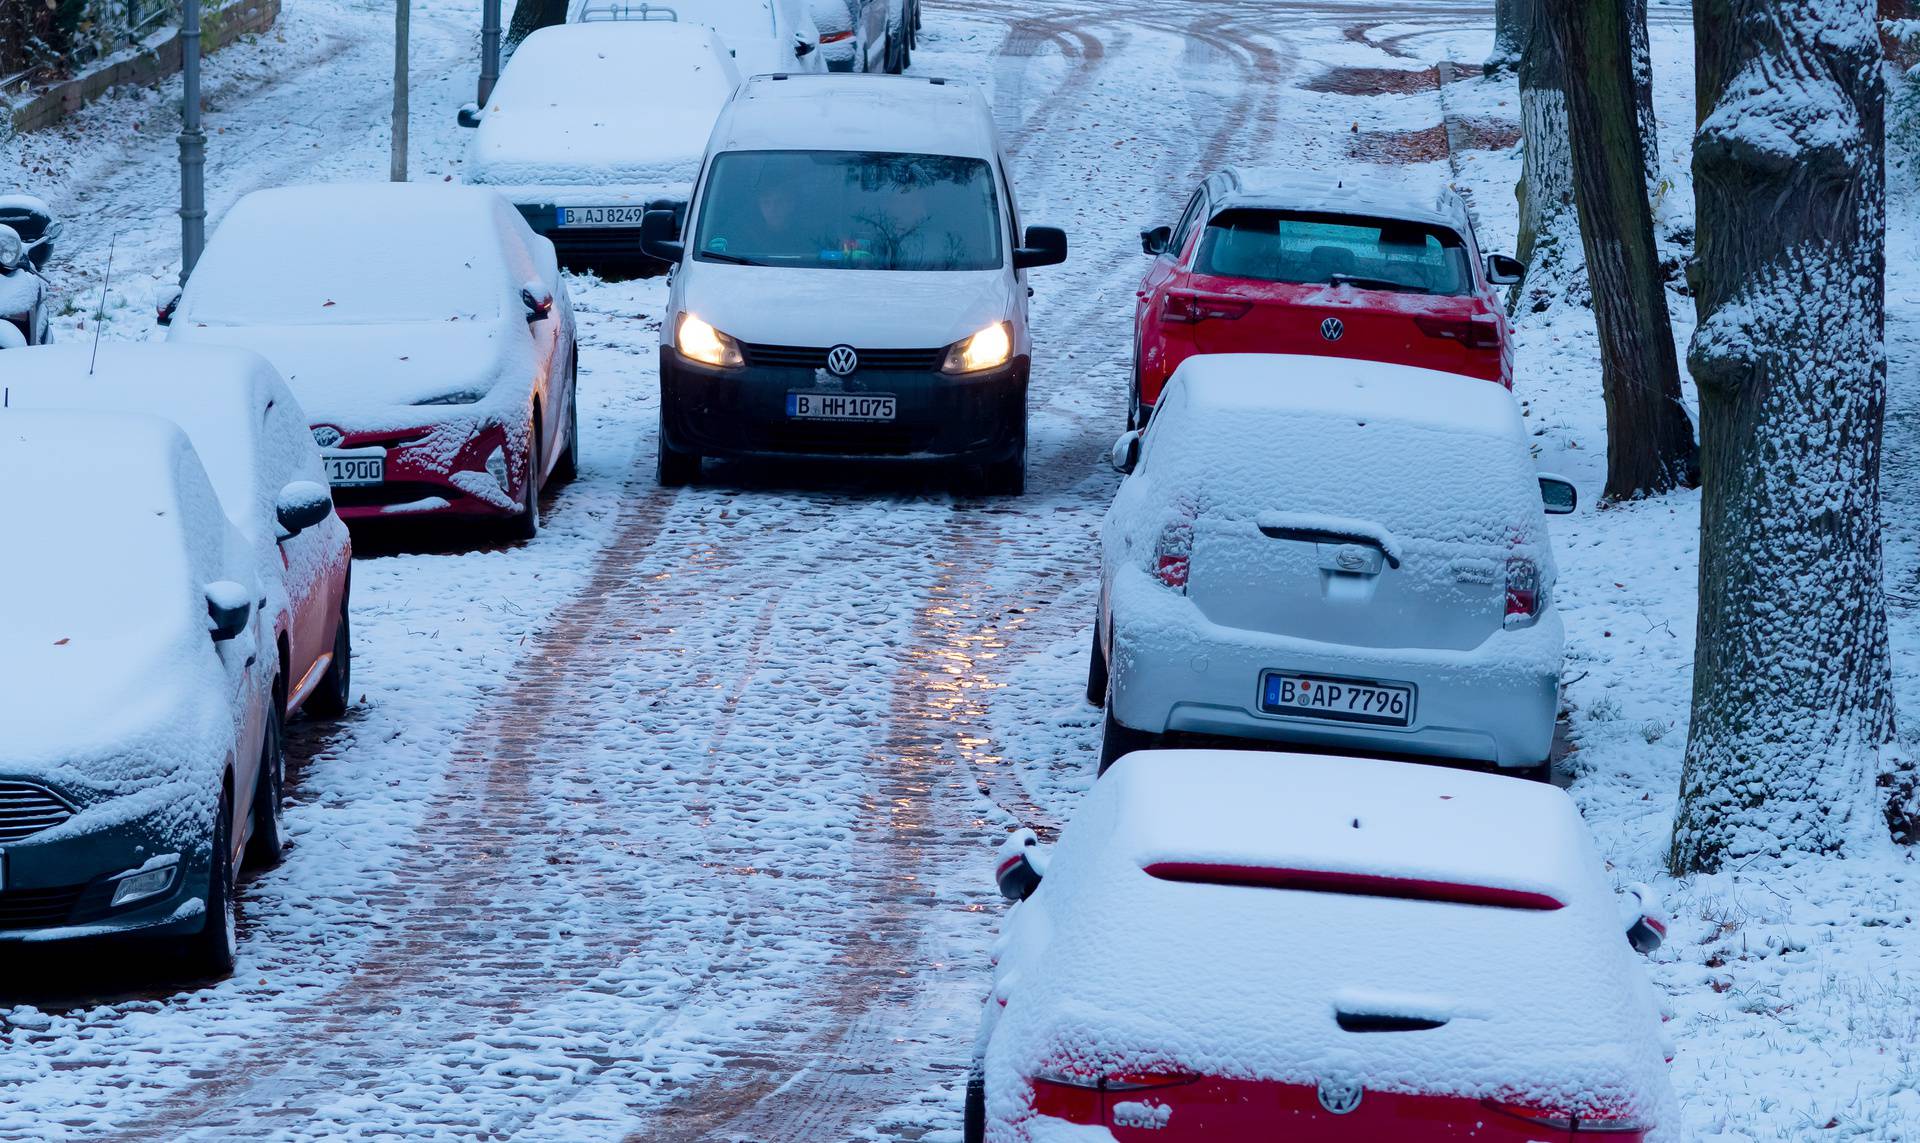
(1185,307)
(1481,332)
(1173,555)
(1596,1121)
(1523,591)
(1079,1097)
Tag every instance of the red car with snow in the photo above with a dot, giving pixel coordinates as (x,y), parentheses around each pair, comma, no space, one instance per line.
(1265,262)
(1238,947)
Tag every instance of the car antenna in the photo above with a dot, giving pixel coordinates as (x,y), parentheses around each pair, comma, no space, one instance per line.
(100,315)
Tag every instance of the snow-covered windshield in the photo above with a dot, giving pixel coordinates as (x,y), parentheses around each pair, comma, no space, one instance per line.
(1370,253)
(736,19)
(849,210)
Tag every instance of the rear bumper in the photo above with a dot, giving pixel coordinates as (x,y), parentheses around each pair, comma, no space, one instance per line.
(63,889)
(1175,671)
(436,472)
(580,242)
(742,412)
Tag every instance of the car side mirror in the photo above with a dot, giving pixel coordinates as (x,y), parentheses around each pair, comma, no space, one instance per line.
(302,504)
(1156,241)
(660,237)
(1558,495)
(166,299)
(1125,456)
(229,609)
(12,250)
(1505,270)
(1020,865)
(1045,246)
(539,301)
(469,115)
(803,47)
(1647,921)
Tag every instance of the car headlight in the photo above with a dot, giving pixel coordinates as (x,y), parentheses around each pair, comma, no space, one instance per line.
(701,342)
(984,350)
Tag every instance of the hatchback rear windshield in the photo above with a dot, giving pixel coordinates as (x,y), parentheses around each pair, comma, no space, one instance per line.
(1353,884)
(1333,249)
(850,210)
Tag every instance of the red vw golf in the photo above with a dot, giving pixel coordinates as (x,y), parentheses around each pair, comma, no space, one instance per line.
(1273,263)
(1239,947)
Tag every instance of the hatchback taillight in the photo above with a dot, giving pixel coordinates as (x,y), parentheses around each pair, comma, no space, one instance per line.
(1523,591)
(1475,333)
(1173,555)
(1594,1121)
(1184,307)
(1080,1097)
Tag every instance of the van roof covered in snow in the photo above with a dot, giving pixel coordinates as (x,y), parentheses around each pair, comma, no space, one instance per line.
(1371,196)
(845,112)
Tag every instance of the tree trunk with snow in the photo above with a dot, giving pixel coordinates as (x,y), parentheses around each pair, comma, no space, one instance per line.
(1642,50)
(1650,448)
(1512,22)
(1792,700)
(1549,230)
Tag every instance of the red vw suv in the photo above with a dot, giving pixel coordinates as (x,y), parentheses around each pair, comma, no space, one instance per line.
(1272,262)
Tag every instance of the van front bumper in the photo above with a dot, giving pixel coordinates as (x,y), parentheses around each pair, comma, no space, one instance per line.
(975,418)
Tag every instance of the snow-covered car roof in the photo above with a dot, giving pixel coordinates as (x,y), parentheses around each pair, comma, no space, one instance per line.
(1364,195)
(1218,912)
(845,112)
(1296,385)
(113,533)
(216,394)
(628,103)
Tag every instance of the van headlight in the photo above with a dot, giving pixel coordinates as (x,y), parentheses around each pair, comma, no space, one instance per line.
(990,347)
(699,341)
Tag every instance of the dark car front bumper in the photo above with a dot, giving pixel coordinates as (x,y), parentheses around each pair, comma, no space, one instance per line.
(976,418)
(63,887)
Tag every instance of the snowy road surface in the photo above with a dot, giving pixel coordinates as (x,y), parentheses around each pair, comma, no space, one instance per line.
(675,824)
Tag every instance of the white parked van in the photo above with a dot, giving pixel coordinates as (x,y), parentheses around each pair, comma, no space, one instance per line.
(850,282)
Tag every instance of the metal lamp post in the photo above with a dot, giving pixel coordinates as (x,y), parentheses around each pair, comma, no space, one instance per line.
(193,144)
(489,49)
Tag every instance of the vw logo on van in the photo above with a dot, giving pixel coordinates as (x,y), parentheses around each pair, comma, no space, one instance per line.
(1338,1096)
(1333,329)
(842,360)
(326,436)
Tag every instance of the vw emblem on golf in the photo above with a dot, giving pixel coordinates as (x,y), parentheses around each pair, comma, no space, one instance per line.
(842,360)
(1332,329)
(1339,1097)
(326,436)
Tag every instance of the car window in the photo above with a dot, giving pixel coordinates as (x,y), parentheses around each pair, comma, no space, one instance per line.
(850,210)
(747,19)
(1184,227)
(1371,253)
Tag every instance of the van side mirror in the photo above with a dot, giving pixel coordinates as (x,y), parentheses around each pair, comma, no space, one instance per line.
(1647,921)
(1045,246)
(1504,270)
(1020,865)
(469,115)
(302,505)
(1558,495)
(1156,241)
(1125,456)
(660,237)
(229,609)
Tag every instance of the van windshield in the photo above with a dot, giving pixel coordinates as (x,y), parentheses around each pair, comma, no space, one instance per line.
(850,210)
(1367,253)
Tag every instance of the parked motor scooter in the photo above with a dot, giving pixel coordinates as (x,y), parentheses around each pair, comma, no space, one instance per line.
(24,317)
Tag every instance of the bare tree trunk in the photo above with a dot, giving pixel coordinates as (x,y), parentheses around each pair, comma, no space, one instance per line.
(1512,22)
(1549,229)
(402,17)
(1792,699)
(1650,447)
(1643,90)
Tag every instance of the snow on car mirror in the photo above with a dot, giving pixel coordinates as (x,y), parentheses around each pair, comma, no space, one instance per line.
(1125,456)
(803,45)
(469,115)
(229,608)
(1558,495)
(1019,865)
(301,505)
(166,299)
(1646,921)
(538,299)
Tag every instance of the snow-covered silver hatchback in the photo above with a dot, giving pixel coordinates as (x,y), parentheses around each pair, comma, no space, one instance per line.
(1331,553)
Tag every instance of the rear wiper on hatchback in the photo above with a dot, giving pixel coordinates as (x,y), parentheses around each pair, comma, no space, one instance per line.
(1279,527)
(1359,282)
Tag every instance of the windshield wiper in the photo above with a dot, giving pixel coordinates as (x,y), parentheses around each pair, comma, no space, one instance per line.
(1375,284)
(722,256)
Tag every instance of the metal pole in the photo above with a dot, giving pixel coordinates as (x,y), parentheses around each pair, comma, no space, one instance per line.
(402,14)
(489,50)
(193,144)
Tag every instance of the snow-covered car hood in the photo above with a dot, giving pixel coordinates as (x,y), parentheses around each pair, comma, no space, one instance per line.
(870,309)
(368,377)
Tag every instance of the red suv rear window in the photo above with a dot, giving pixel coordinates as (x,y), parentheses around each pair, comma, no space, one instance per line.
(1352,884)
